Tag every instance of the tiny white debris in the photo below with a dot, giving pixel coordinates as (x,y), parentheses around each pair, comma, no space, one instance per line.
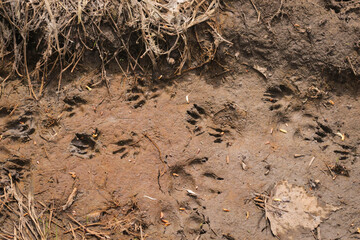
(341,135)
(187,98)
(191,193)
(311,161)
(151,198)
(171,61)
(244,166)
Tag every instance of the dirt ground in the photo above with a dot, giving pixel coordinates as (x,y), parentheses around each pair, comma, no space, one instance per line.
(184,158)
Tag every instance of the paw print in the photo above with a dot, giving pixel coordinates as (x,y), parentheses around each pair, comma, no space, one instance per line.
(21,128)
(127,146)
(217,125)
(135,96)
(84,145)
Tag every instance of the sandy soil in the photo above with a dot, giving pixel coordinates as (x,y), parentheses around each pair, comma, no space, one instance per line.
(285,107)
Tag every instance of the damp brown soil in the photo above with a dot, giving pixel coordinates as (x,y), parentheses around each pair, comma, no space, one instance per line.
(151,145)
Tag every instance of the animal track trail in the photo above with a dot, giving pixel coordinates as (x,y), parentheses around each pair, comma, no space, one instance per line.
(198,117)
(275,95)
(5,111)
(135,96)
(218,125)
(194,175)
(85,145)
(191,188)
(21,128)
(127,146)
(138,96)
(330,137)
(71,102)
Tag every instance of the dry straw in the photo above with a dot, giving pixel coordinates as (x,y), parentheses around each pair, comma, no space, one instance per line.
(165,37)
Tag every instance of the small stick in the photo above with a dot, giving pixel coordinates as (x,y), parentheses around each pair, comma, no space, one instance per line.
(257,11)
(46,153)
(99,235)
(12,112)
(352,67)
(50,217)
(330,171)
(141,233)
(318,233)
(72,230)
(156,146)
(70,199)
(311,161)
(88,225)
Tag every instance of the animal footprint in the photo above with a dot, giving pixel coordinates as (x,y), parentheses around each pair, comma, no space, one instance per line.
(275,94)
(5,111)
(198,117)
(21,128)
(135,95)
(189,172)
(84,145)
(127,146)
(72,102)
(195,114)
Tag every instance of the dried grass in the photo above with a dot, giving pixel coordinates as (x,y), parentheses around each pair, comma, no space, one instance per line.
(40,37)
(26,222)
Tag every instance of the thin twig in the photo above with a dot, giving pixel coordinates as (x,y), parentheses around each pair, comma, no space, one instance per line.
(257,11)
(73,232)
(156,146)
(91,232)
(352,67)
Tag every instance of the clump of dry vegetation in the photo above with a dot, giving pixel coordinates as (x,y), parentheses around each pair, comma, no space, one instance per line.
(163,37)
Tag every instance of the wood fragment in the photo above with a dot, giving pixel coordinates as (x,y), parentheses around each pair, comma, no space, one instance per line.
(141,233)
(341,135)
(318,233)
(244,166)
(352,67)
(311,161)
(70,200)
(257,11)
(330,171)
(89,231)
(12,112)
(282,130)
(72,231)
(191,193)
(156,146)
